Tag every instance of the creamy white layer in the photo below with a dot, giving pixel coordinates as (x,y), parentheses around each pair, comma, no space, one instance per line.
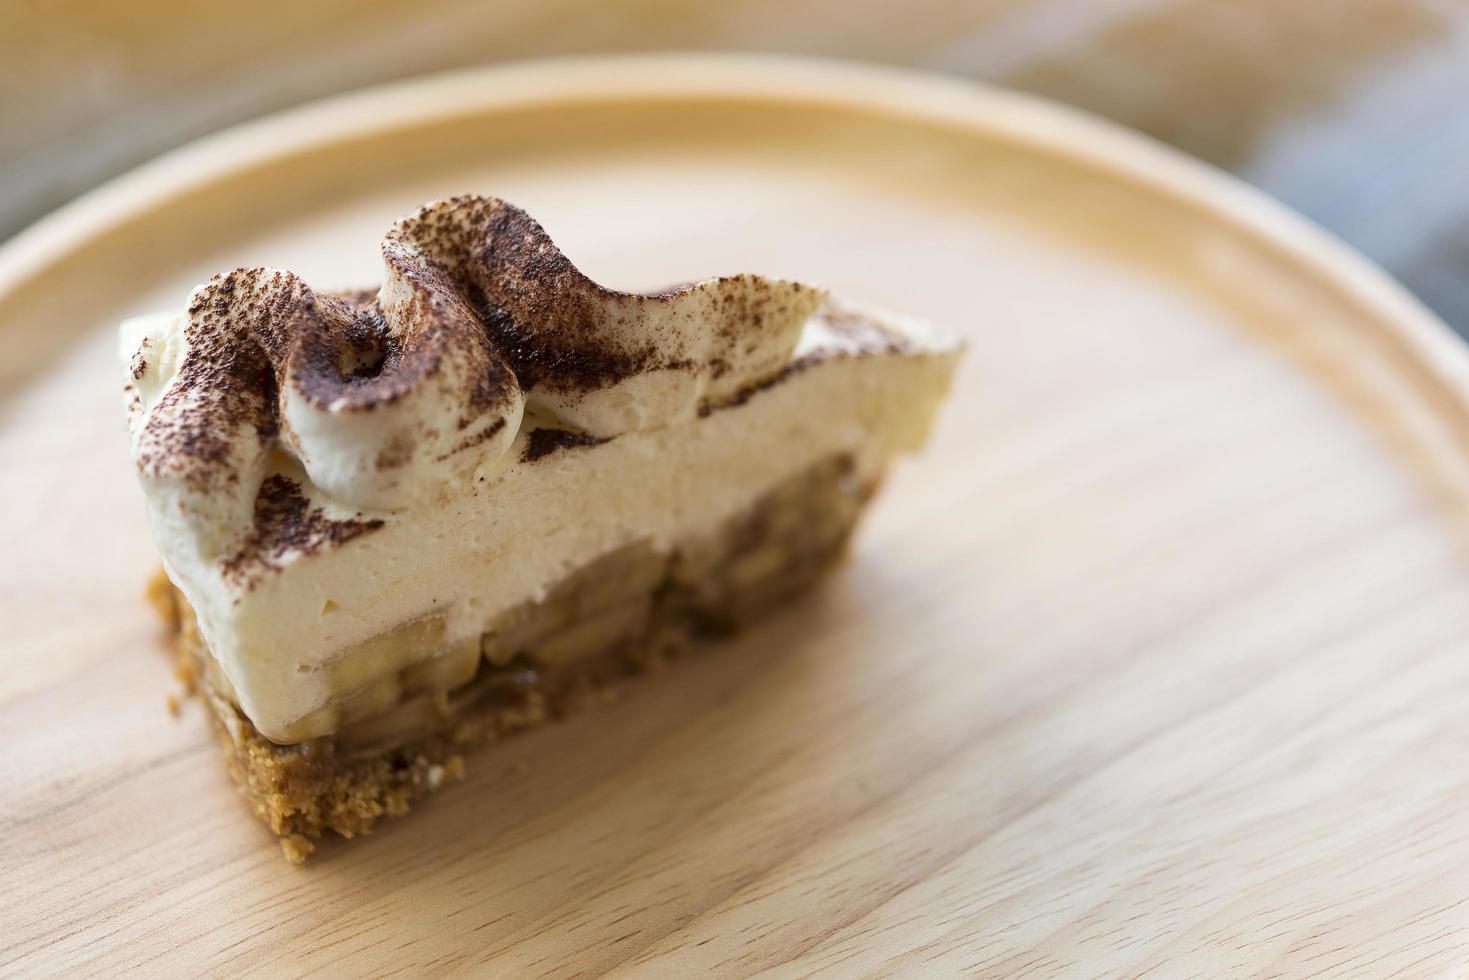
(514,526)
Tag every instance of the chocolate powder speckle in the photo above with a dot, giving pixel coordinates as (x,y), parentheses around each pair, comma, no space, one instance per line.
(863,334)
(286,523)
(139,366)
(484,435)
(543,442)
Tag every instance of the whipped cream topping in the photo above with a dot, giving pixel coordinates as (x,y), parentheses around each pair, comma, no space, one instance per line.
(323,468)
(383,399)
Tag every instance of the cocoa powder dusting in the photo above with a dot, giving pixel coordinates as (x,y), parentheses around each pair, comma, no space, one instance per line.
(544,442)
(286,523)
(863,334)
(482,308)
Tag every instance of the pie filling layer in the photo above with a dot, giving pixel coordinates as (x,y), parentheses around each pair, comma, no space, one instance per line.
(616,618)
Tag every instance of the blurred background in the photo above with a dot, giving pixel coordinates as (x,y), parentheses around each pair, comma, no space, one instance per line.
(1354,112)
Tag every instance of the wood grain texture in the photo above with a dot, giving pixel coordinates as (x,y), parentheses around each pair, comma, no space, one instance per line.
(1152,664)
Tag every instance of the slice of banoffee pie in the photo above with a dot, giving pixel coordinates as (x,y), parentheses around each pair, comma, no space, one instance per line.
(397,524)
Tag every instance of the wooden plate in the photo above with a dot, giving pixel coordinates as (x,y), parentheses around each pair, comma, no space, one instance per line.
(1155,659)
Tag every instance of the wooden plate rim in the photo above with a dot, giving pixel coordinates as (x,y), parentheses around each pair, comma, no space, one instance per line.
(1409,328)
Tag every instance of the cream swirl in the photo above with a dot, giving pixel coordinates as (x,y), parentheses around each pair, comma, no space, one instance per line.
(383,400)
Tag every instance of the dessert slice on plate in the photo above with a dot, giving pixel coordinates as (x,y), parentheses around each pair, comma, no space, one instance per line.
(397,524)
